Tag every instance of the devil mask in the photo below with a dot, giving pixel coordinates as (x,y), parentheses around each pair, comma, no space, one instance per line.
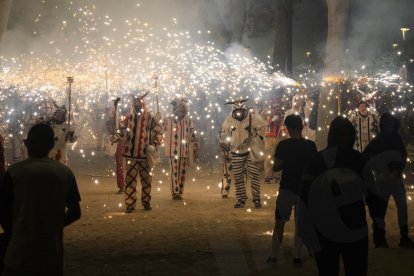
(239,109)
(60,114)
(180,108)
(138,103)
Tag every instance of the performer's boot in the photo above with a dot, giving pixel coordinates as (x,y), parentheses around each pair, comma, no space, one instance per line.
(240,204)
(177,197)
(147,207)
(257,203)
(405,241)
(130,209)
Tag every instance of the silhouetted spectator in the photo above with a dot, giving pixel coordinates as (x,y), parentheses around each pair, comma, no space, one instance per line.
(291,156)
(3,238)
(38,198)
(332,220)
(2,160)
(387,157)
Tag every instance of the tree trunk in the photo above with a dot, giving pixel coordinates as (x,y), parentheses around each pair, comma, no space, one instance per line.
(338,22)
(282,52)
(5,6)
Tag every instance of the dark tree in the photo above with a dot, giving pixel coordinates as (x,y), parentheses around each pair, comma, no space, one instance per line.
(5,6)
(282,53)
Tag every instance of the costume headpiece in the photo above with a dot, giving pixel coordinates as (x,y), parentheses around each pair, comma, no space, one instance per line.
(139,100)
(363,102)
(238,104)
(178,103)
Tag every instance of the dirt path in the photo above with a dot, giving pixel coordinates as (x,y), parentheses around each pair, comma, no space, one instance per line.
(202,235)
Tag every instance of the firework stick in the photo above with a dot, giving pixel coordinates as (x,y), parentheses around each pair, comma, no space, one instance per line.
(70,81)
(339,98)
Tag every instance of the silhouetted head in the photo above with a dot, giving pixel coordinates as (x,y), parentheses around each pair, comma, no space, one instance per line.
(341,133)
(389,125)
(40,140)
(294,124)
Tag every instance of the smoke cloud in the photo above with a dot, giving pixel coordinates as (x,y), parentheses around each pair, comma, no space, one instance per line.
(375,26)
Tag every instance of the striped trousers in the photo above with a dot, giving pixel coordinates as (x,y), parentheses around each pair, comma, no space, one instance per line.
(242,168)
(178,168)
(133,169)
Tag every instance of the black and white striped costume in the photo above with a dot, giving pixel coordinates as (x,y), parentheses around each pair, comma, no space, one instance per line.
(235,133)
(242,168)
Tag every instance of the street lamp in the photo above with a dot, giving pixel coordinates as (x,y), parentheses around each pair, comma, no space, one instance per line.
(404,32)
(394,46)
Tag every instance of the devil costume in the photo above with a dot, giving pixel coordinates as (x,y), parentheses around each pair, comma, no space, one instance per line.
(142,129)
(302,106)
(238,129)
(114,127)
(366,127)
(63,135)
(181,145)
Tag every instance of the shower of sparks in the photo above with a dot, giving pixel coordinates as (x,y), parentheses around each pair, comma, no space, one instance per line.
(111,57)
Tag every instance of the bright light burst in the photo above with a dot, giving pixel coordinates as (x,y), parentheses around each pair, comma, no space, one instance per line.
(111,57)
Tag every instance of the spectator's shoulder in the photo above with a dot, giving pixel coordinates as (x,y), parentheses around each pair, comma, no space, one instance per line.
(63,168)
(284,143)
(358,156)
(16,167)
(310,142)
(316,164)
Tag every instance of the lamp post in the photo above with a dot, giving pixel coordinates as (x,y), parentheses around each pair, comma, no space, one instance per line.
(404,32)
(308,55)
(394,46)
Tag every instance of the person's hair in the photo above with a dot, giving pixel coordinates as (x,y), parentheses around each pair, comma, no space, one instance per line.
(364,103)
(389,124)
(341,133)
(294,122)
(40,140)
